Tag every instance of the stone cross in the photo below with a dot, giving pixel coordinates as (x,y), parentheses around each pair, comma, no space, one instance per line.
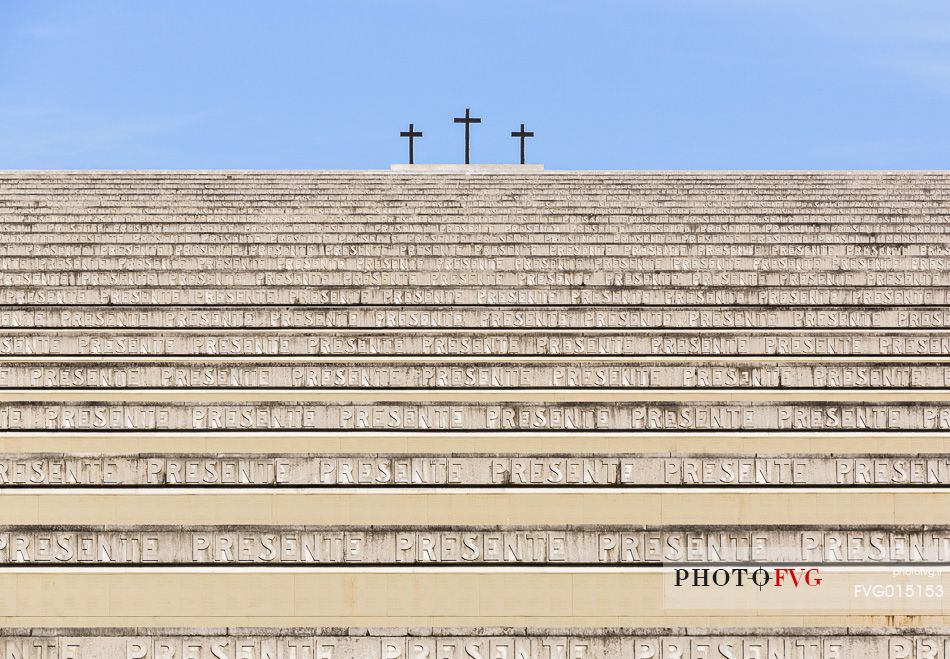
(412,135)
(522,134)
(467,120)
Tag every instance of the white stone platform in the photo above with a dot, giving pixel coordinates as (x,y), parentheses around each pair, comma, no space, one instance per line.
(455,168)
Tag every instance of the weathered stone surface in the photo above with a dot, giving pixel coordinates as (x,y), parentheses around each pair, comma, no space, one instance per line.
(516,643)
(466,470)
(449,343)
(480,224)
(404,416)
(382,545)
(696,270)
(225,316)
(765,296)
(397,287)
(488,277)
(432,374)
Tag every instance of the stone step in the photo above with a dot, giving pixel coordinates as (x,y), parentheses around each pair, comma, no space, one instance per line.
(473,224)
(452,411)
(441,372)
(422,204)
(406,203)
(503,599)
(495,201)
(353,509)
(452,643)
(594,297)
(705,268)
(897,444)
(513,242)
(446,343)
(550,212)
(489,279)
(467,470)
(605,196)
(628,546)
(468,250)
(487,229)
(467,188)
(382,317)
(436,236)
(592,195)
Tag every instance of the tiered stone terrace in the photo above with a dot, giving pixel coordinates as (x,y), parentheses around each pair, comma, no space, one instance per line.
(410,400)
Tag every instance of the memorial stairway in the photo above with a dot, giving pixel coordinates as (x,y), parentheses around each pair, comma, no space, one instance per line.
(560,414)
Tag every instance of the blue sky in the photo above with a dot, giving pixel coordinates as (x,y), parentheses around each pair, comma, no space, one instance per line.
(783,84)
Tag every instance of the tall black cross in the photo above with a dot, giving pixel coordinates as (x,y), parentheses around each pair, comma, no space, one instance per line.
(412,135)
(522,134)
(467,120)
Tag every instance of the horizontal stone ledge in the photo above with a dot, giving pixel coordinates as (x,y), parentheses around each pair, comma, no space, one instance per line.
(450,644)
(475,470)
(497,280)
(410,222)
(663,183)
(439,192)
(414,212)
(544,246)
(762,296)
(780,185)
(560,198)
(571,546)
(865,194)
(495,374)
(407,220)
(712,416)
(670,244)
(777,187)
(510,192)
(488,224)
(516,631)
(696,266)
(464,317)
(493,223)
(520,242)
(419,643)
(485,396)
(862,195)
(580,201)
(560,204)
(452,227)
(566,198)
(431,236)
(467,249)
(580,198)
(484,343)
(532,257)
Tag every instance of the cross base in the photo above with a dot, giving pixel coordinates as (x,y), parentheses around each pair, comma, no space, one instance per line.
(454,168)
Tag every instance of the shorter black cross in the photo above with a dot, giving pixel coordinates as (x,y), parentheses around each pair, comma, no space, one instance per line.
(522,134)
(467,120)
(412,135)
